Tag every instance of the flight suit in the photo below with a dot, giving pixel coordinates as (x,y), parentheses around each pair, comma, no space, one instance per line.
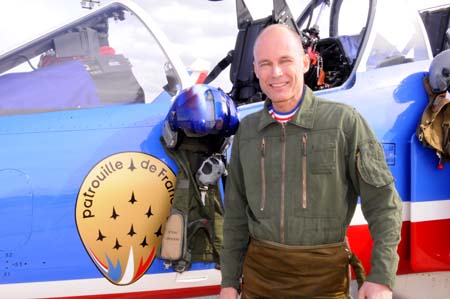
(298,184)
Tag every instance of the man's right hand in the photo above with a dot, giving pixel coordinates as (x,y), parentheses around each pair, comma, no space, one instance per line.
(228,293)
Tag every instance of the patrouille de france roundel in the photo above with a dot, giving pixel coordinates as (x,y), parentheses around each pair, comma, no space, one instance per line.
(121,210)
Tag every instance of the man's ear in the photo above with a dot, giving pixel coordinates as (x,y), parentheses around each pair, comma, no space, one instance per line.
(255,68)
(306,62)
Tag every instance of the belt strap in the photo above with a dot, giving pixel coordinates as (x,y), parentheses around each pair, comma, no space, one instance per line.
(358,268)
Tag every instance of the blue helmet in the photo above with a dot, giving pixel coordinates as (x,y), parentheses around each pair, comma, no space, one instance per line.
(199,111)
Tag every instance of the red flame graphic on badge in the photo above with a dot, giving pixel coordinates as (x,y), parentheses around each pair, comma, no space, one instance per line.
(121,210)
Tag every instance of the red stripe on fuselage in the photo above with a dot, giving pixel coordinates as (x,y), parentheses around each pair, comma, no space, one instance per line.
(430,245)
(166,294)
(424,246)
(361,244)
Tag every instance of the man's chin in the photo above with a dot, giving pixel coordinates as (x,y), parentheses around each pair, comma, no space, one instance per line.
(278,98)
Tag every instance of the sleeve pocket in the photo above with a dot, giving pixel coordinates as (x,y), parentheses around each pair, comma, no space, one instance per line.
(372,166)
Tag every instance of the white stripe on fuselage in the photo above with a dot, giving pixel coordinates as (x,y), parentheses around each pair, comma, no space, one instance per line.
(95,286)
(430,210)
(414,211)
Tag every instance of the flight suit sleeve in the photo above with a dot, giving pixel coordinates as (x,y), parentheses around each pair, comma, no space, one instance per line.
(235,228)
(380,202)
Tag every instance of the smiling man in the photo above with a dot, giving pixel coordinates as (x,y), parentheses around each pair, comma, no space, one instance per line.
(280,65)
(296,171)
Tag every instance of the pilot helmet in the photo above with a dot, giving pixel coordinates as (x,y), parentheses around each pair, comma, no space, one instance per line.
(439,74)
(199,111)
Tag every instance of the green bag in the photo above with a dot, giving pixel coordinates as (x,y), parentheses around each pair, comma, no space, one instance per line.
(433,130)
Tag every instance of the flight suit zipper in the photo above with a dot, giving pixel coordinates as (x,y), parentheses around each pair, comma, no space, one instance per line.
(304,170)
(263,175)
(283,180)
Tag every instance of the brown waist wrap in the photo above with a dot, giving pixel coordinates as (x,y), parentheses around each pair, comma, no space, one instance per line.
(273,270)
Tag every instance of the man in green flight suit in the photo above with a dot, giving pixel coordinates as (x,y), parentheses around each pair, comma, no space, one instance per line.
(296,171)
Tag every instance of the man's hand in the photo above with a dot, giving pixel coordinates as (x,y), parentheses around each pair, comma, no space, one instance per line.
(228,293)
(370,290)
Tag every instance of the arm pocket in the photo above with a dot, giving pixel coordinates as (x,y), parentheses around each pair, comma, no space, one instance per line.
(371,164)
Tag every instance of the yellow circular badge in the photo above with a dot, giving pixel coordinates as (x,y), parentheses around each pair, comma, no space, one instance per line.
(121,210)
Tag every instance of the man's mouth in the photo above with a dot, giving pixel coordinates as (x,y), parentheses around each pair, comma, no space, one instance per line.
(278,85)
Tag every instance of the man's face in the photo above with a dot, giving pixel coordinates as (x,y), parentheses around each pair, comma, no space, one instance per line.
(280,65)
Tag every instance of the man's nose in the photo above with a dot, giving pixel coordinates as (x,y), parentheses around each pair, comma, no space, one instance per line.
(277,71)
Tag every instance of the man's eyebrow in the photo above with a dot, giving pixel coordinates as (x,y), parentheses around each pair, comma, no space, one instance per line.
(262,61)
(287,57)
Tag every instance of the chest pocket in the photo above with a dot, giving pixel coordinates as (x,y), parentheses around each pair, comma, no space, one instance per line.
(322,152)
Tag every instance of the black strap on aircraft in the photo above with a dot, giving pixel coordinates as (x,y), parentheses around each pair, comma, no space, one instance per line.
(223,64)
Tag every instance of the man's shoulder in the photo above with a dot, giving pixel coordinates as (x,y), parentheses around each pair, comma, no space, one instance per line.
(252,118)
(329,105)
(249,124)
(335,114)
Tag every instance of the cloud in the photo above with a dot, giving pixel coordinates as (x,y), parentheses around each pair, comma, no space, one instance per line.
(199,29)
(22,19)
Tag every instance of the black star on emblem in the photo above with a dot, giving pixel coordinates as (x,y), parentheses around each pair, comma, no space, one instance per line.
(132,167)
(158,233)
(149,212)
(132,232)
(117,245)
(132,200)
(144,242)
(114,214)
(100,236)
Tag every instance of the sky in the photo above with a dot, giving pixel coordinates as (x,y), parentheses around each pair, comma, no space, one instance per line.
(198,28)
(191,24)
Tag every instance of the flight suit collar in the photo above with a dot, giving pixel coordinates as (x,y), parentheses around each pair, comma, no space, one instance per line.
(304,117)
